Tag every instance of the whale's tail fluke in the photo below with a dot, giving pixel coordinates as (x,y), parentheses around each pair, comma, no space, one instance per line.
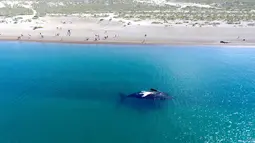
(122,97)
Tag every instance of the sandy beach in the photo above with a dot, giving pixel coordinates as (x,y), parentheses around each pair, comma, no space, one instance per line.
(72,29)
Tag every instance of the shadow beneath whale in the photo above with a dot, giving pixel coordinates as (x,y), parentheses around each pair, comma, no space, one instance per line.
(143,105)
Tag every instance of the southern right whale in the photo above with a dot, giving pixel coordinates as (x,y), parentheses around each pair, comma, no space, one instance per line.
(152,94)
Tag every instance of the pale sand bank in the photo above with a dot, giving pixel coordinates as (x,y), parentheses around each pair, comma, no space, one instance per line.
(84,30)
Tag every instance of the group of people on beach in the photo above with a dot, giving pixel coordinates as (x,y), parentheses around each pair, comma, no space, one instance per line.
(97,37)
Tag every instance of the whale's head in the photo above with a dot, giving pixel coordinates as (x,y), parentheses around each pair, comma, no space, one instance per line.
(162,96)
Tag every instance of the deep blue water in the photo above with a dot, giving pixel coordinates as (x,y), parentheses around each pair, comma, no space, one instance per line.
(62,93)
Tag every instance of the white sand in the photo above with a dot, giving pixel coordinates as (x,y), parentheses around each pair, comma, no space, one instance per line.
(83,28)
(174,3)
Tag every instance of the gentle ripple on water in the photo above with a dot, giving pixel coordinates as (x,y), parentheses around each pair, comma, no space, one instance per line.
(213,90)
(229,117)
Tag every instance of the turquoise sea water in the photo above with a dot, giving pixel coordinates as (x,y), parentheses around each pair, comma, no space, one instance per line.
(62,93)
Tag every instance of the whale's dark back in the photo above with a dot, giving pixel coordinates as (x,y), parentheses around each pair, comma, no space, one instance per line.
(152,96)
(144,104)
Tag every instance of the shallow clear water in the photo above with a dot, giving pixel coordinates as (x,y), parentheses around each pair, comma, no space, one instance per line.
(70,94)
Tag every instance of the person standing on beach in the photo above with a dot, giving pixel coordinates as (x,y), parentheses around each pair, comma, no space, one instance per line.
(144,38)
(68,32)
(41,35)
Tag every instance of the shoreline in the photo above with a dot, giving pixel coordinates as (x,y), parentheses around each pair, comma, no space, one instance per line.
(176,44)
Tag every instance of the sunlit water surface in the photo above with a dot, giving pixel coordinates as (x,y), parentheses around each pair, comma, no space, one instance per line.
(62,93)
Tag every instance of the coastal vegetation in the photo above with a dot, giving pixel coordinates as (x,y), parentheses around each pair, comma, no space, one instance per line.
(231,12)
(15,10)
